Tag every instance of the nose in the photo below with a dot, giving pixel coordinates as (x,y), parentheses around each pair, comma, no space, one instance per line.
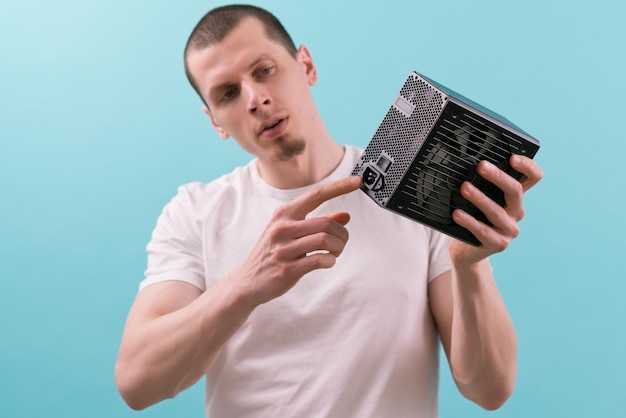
(258,97)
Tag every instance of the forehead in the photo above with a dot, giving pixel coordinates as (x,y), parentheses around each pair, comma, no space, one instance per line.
(242,46)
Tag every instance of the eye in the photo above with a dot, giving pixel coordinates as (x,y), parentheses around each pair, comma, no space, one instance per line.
(266,70)
(229,94)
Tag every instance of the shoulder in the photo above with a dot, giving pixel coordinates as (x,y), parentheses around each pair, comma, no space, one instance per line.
(199,193)
(196,203)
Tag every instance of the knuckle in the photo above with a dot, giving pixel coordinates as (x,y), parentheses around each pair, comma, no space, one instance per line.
(271,259)
(494,213)
(280,212)
(277,251)
(325,223)
(284,270)
(314,262)
(281,272)
(339,250)
(320,241)
(326,260)
(315,193)
(274,231)
(484,230)
(517,188)
(501,245)
(517,213)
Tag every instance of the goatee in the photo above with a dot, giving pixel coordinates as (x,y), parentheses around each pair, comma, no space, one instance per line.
(289,148)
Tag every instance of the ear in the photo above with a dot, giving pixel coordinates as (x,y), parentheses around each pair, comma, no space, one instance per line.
(222,133)
(304,57)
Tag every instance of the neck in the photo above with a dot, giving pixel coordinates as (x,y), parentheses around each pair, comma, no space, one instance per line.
(318,160)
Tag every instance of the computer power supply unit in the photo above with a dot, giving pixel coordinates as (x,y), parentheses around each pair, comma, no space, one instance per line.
(431,141)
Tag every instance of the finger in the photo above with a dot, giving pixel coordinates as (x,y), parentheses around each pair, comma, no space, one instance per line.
(489,238)
(313,262)
(341,218)
(315,243)
(323,224)
(300,207)
(529,168)
(502,221)
(297,238)
(512,189)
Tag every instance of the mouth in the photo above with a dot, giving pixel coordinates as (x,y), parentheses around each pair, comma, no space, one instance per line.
(274,128)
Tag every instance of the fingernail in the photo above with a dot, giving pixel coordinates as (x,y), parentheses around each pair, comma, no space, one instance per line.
(469,187)
(460,214)
(355,180)
(517,159)
(487,166)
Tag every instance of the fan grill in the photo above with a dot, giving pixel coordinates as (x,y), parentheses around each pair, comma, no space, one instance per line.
(449,158)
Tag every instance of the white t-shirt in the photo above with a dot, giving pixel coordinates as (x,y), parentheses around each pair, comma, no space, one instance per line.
(356,340)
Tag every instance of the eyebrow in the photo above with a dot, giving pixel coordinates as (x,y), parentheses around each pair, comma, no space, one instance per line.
(250,66)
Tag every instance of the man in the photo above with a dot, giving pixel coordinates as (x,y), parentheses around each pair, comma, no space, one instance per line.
(252,282)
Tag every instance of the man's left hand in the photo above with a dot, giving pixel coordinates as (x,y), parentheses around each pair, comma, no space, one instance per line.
(504,229)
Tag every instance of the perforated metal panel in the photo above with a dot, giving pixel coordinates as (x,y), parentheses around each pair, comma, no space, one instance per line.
(401,133)
(430,142)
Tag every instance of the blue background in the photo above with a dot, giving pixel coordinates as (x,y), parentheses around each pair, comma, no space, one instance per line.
(98,127)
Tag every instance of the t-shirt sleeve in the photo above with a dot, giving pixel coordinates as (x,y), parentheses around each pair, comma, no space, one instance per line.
(439,255)
(175,249)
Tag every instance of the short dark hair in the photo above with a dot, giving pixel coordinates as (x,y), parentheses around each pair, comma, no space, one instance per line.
(219,22)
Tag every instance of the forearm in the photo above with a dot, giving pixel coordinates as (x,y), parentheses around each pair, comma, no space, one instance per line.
(160,357)
(483,343)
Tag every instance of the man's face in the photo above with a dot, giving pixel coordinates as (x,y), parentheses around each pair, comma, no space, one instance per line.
(257,92)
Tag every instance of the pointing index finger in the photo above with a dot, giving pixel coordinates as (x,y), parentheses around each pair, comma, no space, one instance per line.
(299,208)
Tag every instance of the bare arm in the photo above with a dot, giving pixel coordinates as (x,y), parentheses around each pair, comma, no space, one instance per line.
(174,331)
(172,335)
(477,335)
(475,328)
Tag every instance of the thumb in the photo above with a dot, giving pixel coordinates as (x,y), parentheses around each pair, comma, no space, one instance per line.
(341,217)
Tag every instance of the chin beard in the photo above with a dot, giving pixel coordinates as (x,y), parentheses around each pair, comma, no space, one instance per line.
(289,148)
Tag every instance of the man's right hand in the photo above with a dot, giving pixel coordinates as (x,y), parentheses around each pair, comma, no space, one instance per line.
(293,245)
(175,331)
